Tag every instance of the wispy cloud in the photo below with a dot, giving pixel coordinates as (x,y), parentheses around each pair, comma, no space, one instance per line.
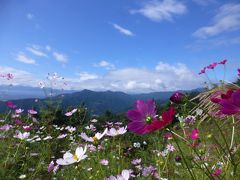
(36,51)
(105,64)
(60,57)
(29,16)
(84,76)
(161,10)
(123,30)
(21,57)
(205,2)
(227,19)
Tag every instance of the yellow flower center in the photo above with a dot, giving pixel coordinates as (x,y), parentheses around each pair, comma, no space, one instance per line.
(95,138)
(75,157)
(148,119)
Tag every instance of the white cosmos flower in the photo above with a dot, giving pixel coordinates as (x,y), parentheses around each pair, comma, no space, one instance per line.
(125,175)
(115,132)
(71,112)
(69,158)
(97,136)
(22,136)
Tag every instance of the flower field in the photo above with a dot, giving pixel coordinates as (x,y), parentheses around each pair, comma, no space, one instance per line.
(189,138)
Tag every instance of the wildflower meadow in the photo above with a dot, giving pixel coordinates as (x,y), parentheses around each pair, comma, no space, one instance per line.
(190,137)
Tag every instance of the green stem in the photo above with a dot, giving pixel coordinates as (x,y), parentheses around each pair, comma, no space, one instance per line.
(233,132)
(190,172)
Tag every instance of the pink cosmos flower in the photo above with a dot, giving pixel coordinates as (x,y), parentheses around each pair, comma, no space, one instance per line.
(136,161)
(10,105)
(32,112)
(51,166)
(223,62)
(5,127)
(177,97)
(202,71)
(194,134)
(143,119)
(229,102)
(104,162)
(19,122)
(212,66)
(217,173)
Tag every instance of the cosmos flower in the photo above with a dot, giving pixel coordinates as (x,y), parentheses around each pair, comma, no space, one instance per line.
(229,102)
(194,134)
(104,162)
(212,66)
(69,158)
(22,136)
(202,71)
(125,175)
(170,147)
(177,97)
(136,161)
(5,127)
(70,113)
(32,112)
(19,111)
(116,132)
(143,119)
(10,105)
(95,138)
(238,71)
(217,173)
(223,62)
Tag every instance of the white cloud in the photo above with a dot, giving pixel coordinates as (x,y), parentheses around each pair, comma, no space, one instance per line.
(84,76)
(21,57)
(29,16)
(105,64)
(161,10)
(165,77)
(123,30)
(60,57)
(36,51)
(204,2)
(227,19)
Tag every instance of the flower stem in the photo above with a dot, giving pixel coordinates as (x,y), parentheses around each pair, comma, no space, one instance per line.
(189,170)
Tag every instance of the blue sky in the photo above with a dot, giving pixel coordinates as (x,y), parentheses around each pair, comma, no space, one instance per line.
(124,45)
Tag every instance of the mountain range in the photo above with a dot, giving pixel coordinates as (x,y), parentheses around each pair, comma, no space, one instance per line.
(97,102)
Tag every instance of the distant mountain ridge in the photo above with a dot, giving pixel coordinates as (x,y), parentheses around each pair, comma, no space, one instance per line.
(97,102)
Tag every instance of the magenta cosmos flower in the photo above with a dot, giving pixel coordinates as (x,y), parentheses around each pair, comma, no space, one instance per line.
(177,97)
(143,118)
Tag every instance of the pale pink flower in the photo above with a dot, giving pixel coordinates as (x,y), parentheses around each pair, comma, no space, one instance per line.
(104,162)
(70,113)
(32,112)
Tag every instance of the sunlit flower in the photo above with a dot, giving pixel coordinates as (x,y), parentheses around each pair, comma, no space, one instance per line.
(22,136)
(69,158)
(70,113)
(116,132)
(194,134)
(70,129)
(144,119)
(95,138)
